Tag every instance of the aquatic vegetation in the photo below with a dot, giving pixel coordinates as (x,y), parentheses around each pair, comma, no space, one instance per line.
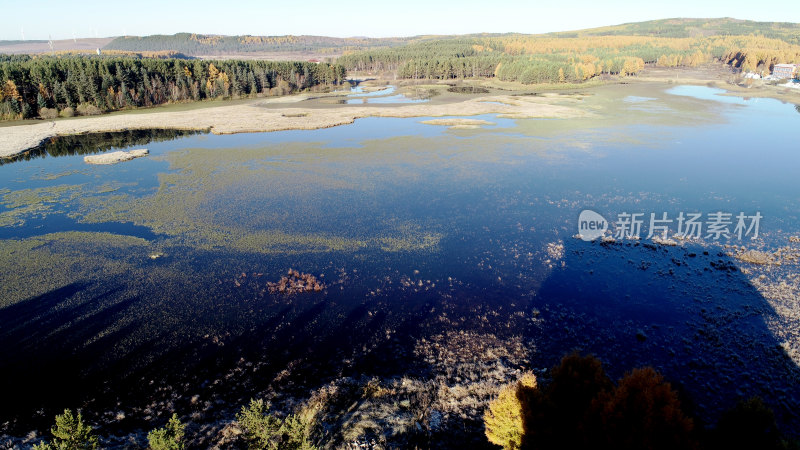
(55,176)
(424,92)
(193,204)
(38,202)
(446,255)
(468,90)
(33,266)
(295,283)
(39,196)
(90,143)
(111,186)
(410,239)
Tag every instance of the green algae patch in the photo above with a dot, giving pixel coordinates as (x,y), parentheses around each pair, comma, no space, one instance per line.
(34,266)
(111,186)
(93,238)
(276,200)
(18,206)
(55,176)
(411,242)
(39,196)
(271,241)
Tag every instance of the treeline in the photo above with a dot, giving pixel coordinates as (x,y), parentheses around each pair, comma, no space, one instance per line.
(51,86)
(494,57)
(548,59)
(757,53)
(199,44)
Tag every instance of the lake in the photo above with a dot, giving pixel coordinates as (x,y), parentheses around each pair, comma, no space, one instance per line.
(127,290)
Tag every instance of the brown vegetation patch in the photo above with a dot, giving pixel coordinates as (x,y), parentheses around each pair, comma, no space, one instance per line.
(295,283)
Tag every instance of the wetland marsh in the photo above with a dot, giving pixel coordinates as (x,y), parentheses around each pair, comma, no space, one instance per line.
(139,289)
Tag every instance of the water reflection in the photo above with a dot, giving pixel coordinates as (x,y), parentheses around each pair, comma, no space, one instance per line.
(90,143)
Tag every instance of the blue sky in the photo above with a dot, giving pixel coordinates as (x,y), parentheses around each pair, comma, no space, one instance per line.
(38,19)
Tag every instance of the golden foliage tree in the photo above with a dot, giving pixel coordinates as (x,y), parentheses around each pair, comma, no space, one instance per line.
(10,91)
(504,418)
(581,408)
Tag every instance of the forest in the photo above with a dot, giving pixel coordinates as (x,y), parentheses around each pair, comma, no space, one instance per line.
(48,86)
(199,44)
(153,70)
(552,59)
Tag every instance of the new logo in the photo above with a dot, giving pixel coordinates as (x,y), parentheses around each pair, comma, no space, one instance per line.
(591,225)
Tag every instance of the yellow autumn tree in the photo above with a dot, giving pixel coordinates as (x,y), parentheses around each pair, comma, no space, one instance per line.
(10,91)
(497,69)
(211,84)
(504,418)
(632,66)
(213,72)
(225,82)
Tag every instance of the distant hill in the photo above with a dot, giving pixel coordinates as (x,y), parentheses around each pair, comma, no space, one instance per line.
(210,45)
(201,44)
(685,27)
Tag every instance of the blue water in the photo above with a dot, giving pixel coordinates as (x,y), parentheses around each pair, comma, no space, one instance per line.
(383,96)
(358,91)
(495,197)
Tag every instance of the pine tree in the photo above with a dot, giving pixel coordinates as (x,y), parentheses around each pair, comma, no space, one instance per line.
(70,433)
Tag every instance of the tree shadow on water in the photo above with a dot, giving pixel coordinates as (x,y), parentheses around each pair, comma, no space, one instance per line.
(695,317)
(50,342)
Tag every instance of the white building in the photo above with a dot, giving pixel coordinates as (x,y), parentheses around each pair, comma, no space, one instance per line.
(784,71)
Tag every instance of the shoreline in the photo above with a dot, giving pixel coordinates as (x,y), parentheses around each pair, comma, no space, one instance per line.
(305,111)
(270,115)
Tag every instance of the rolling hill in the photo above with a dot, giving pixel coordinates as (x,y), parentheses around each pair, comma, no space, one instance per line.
(200,44)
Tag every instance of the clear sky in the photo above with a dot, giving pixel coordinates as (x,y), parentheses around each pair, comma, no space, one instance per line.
(61,19)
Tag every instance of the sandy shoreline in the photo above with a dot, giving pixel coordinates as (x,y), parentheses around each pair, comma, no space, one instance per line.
(263,115)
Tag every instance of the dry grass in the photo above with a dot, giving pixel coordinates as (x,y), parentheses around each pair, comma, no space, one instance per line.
(260,116)
(466,371)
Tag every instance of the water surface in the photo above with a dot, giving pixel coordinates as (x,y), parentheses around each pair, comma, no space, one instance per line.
(146,281)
